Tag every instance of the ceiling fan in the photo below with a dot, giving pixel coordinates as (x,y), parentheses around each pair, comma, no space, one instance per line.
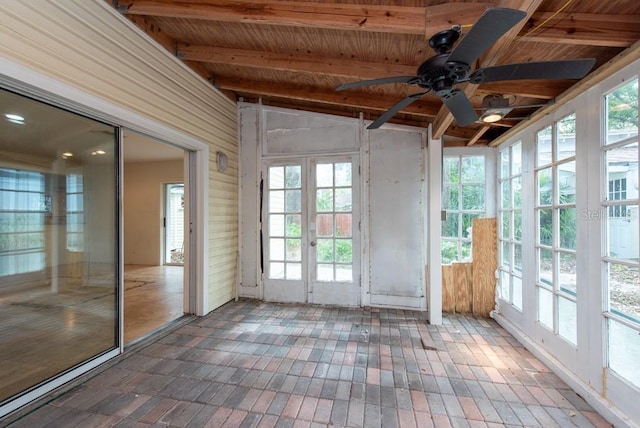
(448,67)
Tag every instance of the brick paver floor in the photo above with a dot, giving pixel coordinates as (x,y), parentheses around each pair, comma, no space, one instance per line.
(256,364)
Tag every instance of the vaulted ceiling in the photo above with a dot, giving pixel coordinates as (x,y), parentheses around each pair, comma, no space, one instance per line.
(295,53)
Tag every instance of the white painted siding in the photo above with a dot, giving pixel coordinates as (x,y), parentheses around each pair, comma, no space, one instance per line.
(88,45)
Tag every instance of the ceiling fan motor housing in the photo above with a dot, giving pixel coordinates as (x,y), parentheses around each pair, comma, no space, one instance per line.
(439,75)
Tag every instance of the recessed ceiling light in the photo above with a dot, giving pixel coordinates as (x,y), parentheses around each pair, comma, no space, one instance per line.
(14,118)
(98,152)
(67,155)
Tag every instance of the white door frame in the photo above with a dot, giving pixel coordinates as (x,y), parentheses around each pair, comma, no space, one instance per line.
(302,291)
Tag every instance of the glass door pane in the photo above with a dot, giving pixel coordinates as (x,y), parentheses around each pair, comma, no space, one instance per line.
(285,226)
(334,222)
(58,246)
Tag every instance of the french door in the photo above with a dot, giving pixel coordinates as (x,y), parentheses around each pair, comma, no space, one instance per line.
(310,229)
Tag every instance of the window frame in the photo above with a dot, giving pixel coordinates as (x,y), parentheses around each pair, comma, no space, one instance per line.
(611,316)
(509,271)
(489,189)
(555,247)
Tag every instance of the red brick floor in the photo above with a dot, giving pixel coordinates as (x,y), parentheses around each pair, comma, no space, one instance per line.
(256,364)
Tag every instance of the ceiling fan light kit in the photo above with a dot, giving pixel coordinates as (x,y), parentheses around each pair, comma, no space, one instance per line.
(452,65)
(495,108)
(491,116)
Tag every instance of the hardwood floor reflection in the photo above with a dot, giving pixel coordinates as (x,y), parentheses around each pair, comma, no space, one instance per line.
(45,330)
(153,297)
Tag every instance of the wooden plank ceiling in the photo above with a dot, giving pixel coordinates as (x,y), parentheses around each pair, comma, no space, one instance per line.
(295,53)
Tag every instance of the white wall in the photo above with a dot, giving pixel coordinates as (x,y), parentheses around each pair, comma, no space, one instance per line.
(396,238)
(143,209)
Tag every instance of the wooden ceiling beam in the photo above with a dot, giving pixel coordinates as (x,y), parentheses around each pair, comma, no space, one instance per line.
(360,101)
(356,70)
(540,89)
(292,62)
(478,135)
(464,135)
(341,16)
(589,29)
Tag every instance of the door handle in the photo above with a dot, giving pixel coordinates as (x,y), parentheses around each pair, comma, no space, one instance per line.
(312,243)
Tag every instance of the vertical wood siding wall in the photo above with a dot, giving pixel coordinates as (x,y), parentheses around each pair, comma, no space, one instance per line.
(86,44)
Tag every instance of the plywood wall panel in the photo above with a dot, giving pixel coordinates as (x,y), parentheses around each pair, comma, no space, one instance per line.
(462,279)
(485,263)
(448,290)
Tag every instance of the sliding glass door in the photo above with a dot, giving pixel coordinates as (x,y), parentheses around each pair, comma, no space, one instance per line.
(58,242)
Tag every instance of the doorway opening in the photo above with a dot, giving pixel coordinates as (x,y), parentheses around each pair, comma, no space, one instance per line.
(155,290)
(173,223)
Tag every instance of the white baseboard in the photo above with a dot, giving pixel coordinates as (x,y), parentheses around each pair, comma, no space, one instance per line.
(600,404)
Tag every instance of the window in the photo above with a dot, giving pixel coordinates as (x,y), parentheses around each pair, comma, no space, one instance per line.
(75,213)
(463,199)
(23,207)
(510,225)
(556,227)
(620,153)
(617,192)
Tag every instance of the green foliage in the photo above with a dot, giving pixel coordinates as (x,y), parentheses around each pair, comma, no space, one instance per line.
(449,251)
(450,226)
(451,169)
(344,251)
(473,197)
(545,222)
(293,229)
(517,225)
(472,169)
(622,107)
(324,200)
(568,228)
(463,198)
(450,197)
(324,251)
